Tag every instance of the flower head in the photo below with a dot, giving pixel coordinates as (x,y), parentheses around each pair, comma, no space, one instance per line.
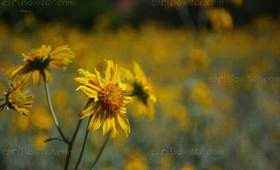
(39,61)
(142,91)
(17,99)
(108,100)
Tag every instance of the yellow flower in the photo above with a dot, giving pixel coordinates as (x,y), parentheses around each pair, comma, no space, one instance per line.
(108,100)
(136,161)
(39,62)
(38,141)
(142,91)
(17,99)
(188,167)
(220,18)
(200,58)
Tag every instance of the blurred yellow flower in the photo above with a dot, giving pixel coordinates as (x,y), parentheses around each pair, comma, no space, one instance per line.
(142,91)
(166,162)
(17,99)
(41,119)
(200,58)
(237,3)
(188,167)
(137,161)
(38,141)
(220,18)
(108,100)
(39,61)
(21,124)
(201,93)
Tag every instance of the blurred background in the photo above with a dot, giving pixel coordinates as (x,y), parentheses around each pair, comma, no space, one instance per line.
(214,65)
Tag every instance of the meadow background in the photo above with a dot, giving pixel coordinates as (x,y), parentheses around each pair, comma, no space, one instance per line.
(215,72)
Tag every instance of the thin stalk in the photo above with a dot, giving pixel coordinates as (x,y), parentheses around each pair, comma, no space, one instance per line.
(84,145)
(100,152)
(72,141)
(70,145)
(51,109)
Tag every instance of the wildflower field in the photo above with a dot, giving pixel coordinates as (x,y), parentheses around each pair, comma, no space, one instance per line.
(151,97)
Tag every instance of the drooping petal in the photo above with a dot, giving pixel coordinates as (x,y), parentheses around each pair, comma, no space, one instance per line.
(84,81)
(14,71)
(26,77)
(36,77)
(90,109)
(48,74)
(124,123)
(89,92)
(96,120)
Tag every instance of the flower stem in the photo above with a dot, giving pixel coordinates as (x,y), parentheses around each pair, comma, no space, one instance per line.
(84,145)
(100,152)
(51,109)
(72,141)
(70,145)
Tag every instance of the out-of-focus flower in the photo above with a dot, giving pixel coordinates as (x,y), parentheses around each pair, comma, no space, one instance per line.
(108,100)
(200,58)
(39,62)
(202,94)
(38,141)
(220,19)
(17,99)
(21,124)
(188,167)
(166,162)
(41,119)
(237,3)
(142,91)
(137,161)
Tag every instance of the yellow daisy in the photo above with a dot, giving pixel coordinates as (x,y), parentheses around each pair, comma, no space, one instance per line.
(17,99)
(108,100)
(142,91)
(39,62)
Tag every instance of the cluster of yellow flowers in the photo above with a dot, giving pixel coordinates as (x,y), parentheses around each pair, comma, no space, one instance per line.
(108,94)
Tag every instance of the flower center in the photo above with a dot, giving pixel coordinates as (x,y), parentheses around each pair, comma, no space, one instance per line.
(112,97)
(140,92)
(35,53)
(17,98)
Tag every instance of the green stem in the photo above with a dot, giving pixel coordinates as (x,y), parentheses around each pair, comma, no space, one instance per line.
(84,145)
(72,141)
(100,152)
(70,146)
(51,109)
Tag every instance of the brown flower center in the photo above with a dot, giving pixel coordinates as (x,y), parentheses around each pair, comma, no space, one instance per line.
(17,98)
(112,97)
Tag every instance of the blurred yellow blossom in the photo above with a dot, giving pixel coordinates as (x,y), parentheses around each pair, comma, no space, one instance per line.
(136,161)
(200,58)
(188,167)
(166,162)
(22,123)
(201,93)
(38,141)
(41,119)
(220,18)
(141,90)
